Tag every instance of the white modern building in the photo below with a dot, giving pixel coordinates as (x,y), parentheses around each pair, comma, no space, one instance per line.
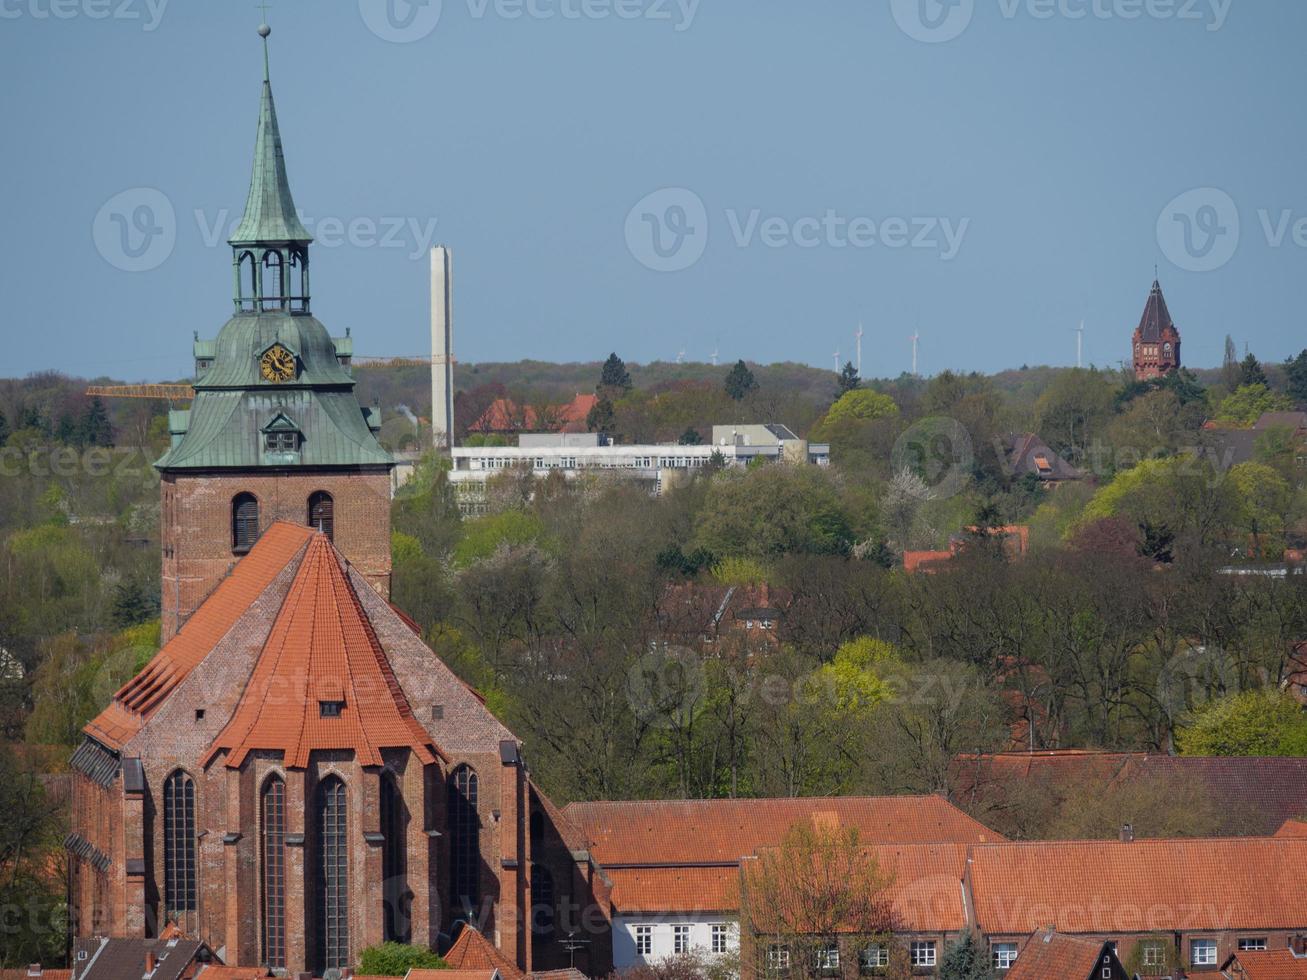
(661,465)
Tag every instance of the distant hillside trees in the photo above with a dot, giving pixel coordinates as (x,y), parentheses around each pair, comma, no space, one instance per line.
(740,382)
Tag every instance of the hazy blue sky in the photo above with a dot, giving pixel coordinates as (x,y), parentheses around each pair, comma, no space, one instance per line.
(852,162)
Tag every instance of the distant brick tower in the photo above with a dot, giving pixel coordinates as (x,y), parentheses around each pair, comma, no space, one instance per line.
(1156,340)
(275,431)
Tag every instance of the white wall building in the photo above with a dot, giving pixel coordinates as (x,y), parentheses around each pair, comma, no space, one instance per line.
(649,938)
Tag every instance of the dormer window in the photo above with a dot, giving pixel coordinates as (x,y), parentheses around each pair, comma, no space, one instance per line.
(282,442)
(282,439)
(330,709)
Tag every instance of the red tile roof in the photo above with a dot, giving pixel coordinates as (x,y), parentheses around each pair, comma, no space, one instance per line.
(474,952)
(21,973)
(1271,964)
(643,833)
(1052,956)
(504,415)
(215,971)
(139,697)
(672,889)
(454,975)
(322,648)
(1143,886)
(1293,828)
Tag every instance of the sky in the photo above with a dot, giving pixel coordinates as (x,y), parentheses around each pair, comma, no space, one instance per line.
(746,177)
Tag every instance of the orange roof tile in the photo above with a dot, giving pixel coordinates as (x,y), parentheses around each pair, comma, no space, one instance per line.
(21,973)
(643,833)
(1047,955)
(673,889)
(139,697)
(1293,828)
(214,971)
(1142,886)
(1271,964)
(474,952)
(321,648)
(455,975)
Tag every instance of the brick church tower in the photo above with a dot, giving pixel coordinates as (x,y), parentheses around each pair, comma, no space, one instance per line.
(275,431)
(1156,339)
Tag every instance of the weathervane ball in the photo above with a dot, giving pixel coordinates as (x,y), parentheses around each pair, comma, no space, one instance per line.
(264,30)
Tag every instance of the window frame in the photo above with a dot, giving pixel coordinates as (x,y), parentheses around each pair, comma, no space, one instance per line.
(464,838)
(180,858)
(244,522)
(927,948)
(272,870)
(1004,955)
(680,938)
(720,938)
(1209,946)
(643,936)
(1253,944)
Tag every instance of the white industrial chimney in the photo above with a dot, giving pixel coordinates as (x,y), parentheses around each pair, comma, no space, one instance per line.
(442,348)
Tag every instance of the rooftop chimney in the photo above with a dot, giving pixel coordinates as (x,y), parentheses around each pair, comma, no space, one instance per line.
(1127,833)
(151,962)
(442,348)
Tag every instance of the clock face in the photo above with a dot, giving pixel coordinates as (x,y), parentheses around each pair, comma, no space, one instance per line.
(277,364)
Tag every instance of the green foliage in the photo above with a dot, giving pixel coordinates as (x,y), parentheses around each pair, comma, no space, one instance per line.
(1251,373)
(404,548)
(739,571)
(861,404)
(601,416)
(1074,410)
(30,890)
(1295,370)
(396,959)
(847,381)
(855,676)
(133,604)
(1254,723)
(483,536)
(740,382)
(1247,403)
(690,437)
(967,959)
(4,428)
(614,374)
(773,511)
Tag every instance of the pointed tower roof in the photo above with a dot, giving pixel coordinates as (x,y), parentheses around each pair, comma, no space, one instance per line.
(270,214)
(322,650)
(1156,316)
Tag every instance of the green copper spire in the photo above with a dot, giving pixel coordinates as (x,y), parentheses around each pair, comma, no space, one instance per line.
(270,210)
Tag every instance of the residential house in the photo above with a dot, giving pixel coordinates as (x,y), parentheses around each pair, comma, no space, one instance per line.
(170,957)
(506,417)
(1028,455)
(1266,964)
(1049,955)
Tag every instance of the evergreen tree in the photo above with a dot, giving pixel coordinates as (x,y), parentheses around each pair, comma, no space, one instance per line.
(1230,364)
(132,605)
(95,429)
(1295,370)
(848,380)
(1251,373)
(4,428)
(967,959)
(600,418)
(66,431)
(614,374)
(740,382)
(691,437)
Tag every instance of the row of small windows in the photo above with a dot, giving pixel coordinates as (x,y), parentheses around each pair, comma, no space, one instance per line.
(245,518)
(719,939)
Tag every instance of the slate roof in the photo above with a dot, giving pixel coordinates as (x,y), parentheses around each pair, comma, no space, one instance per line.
(1156,316)
(1049,955)
(644,833)
(1142,886)
(1270,964)
(124,959)
(1027,453)
(137,700)
(322,649)
(473,952)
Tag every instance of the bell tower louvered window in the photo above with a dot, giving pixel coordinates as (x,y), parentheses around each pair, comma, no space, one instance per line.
(244,522)
(322,514)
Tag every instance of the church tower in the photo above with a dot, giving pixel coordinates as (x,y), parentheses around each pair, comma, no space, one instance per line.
(275,431)
(1156,339)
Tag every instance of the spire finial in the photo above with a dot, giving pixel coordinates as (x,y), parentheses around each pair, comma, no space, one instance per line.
(264,31)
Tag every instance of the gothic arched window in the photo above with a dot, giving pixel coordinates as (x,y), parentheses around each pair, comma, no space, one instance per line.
(272,846)
(244,522)
(274,292)
(394,862)
(322,514)
(179,867)
(331,880)
(542,901)
(464,840)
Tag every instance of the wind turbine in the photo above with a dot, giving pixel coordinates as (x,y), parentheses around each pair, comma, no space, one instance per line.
(680,356)
(858,338)
(916,342)
(716,352)
(1080,345)
(837,362)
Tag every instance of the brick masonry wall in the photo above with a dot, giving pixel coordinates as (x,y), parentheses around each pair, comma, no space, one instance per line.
(196,532)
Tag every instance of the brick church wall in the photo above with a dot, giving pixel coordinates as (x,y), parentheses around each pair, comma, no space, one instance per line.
(197,527)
